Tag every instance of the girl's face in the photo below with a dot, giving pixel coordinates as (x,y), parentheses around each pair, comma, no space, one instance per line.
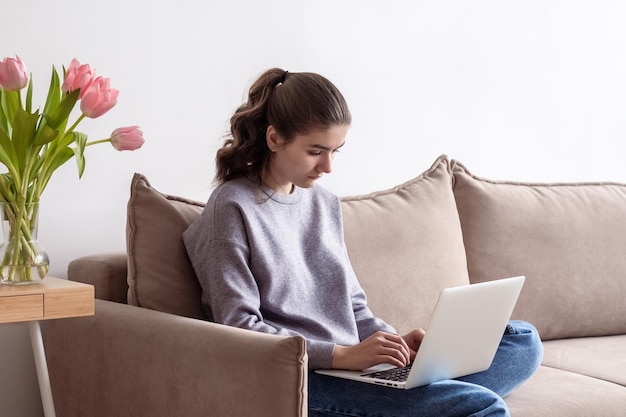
(303,160)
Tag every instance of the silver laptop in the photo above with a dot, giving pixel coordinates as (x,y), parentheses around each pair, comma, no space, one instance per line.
(462,337)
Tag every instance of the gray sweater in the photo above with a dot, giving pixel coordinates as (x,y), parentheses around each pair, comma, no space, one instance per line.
(277,264)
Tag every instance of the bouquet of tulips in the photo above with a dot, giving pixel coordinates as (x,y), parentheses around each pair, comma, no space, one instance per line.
(34,143)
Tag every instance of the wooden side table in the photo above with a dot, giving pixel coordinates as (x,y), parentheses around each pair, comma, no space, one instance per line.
(52,298)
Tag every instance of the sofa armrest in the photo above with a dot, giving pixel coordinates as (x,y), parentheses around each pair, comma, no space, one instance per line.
(131,361)
(105,271)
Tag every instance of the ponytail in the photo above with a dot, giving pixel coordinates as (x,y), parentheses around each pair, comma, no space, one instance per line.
(294,103)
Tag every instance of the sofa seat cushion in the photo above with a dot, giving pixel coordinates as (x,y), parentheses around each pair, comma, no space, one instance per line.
(567,239)
(598,357)
(405,245)
(556,393)
(160,275)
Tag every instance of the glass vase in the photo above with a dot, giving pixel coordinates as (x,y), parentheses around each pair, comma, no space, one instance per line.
(22,259)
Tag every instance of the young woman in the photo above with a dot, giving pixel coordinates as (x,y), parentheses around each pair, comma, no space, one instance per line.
(269,253)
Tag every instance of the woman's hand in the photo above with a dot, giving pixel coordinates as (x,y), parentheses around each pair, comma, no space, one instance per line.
(413,340)
(379,348)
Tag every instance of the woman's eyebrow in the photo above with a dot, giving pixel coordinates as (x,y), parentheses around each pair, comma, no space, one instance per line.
(326,148)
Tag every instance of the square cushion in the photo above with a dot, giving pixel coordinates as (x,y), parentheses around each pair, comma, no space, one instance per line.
(567,239)
(554,392)
(406,245)
(582,356)
(160,275)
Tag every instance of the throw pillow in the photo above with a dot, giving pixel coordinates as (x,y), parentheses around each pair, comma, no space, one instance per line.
(160,275)
(567,239)
(406,246)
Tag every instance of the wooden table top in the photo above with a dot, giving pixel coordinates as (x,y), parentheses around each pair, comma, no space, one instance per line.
(51,298)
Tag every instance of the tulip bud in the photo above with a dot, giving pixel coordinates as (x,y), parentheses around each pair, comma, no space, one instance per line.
(98,98)
(77,76)
(13,74)
(127,138)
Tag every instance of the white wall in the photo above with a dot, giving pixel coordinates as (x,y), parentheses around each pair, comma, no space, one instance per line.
(532,90)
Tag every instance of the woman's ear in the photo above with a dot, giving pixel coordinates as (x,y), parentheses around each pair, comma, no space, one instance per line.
(274,140)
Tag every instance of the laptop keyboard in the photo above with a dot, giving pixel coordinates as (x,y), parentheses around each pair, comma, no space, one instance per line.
(394,374)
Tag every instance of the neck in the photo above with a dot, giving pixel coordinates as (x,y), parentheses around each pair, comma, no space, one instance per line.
(269,180)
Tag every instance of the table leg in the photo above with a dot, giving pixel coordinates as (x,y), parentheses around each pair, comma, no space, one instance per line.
(42,368)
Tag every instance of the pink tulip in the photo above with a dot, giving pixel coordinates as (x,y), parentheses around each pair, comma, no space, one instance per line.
(13,74)
(127,138)
(77,76)
(98,98)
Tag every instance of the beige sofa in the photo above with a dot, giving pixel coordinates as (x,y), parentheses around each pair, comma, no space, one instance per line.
(160,356)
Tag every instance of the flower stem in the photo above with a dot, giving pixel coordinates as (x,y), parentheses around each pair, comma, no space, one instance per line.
(95,142)
(76,123)
(22,254)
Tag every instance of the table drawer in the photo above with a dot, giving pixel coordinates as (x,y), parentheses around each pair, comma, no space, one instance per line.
(21,308)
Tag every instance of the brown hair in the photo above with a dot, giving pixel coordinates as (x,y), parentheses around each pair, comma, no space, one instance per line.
(294,103)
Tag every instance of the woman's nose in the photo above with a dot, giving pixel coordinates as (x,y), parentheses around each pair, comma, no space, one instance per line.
(325,166)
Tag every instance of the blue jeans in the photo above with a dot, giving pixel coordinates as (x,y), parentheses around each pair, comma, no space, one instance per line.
(476,395)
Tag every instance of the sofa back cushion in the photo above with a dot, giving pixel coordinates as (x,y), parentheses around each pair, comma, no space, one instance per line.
(567,239)
(406,245)
(160,276)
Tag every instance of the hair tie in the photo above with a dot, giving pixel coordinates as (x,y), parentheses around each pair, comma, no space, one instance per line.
(283,78)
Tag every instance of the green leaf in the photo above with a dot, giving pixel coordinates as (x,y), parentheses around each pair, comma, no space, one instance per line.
(29,96)
(7,152)
(45,134)
(24,128)
(59,155)
(4,121)
(58,159)
(67,139)
(63,110)
(79,151)
(10,103)
(54,93)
